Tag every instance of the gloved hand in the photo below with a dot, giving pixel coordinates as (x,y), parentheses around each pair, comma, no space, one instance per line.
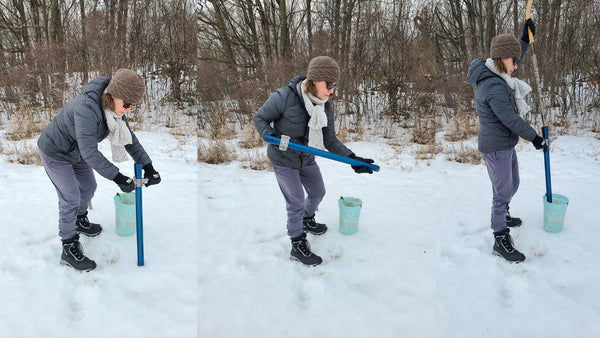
(125,183)
(528,24)
(361,169)
(152,175)
(539,143)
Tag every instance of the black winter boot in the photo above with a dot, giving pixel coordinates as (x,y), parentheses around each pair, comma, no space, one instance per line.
(72,255)
(503,247)
(512,222)
(85,227)
(309,225)
(301,252)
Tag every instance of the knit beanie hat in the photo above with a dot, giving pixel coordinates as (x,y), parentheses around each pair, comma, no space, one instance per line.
(127,85)
(323,68)
(505,46)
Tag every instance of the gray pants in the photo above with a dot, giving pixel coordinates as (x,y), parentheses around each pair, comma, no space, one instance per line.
(503,170)
(75,185)
(292,183)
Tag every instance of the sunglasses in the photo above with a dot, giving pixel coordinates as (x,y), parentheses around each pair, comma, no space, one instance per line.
(514,61)
(128,105)
(331,85)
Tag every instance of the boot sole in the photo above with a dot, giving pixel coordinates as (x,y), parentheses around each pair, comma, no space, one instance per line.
(315,233)
(292,258)
(499,255)
(88,234)
(63,262)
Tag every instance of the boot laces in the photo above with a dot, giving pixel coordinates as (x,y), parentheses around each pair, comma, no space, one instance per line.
(84,222)
(76,250)
(507,242)
(311,222)
(304,247)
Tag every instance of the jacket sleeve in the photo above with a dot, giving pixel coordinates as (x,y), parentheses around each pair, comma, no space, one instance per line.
(86,125)
(330,140)
(503,109)
(135,149)
(271,110)
(524,47)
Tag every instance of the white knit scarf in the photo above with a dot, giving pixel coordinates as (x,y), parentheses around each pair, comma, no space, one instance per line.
(520,87)
(318,119)
(118,134)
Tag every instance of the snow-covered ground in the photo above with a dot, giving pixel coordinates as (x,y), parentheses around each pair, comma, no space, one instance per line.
(217,253)
(41,298)
(420,264)
(554,293)
(378,282)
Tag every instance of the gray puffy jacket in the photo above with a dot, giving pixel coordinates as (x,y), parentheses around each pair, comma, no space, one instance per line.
(499,120)
(74,133)
(285,108)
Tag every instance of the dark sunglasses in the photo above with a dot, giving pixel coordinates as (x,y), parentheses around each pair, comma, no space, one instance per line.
(331,85)
(128,105)
(514,61)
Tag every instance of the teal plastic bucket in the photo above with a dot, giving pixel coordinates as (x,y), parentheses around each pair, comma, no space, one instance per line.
(554,213)
(349,213)
(125,213)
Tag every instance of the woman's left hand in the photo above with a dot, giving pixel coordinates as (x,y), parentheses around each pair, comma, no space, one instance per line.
(362,169)
(528,24)
(152,175)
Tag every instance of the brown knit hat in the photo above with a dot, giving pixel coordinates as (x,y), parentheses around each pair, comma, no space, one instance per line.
(323,68)
(127,85)
(505,46)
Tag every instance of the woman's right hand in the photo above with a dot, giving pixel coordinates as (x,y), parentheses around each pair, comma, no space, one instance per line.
(125,183)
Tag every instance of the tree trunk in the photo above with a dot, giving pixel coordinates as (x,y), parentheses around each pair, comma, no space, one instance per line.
(84,41)
(284,31)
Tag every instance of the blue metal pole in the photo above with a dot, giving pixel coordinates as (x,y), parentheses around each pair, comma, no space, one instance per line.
(547,165)
(275,140)
(138,216)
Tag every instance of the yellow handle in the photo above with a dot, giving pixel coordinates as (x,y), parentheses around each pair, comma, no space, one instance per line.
(527,16)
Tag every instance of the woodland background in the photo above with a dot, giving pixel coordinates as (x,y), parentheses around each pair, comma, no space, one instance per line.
(403,62)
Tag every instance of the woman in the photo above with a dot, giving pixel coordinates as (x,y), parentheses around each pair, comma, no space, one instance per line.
(302,111)
(68,148)
(499,102)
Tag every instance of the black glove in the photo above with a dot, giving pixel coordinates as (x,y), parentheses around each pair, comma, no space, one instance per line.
(125,183)
(539,143)
(528,24)
(361,169)
(152,175)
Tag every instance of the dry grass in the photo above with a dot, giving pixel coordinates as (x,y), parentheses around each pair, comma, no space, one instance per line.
(27,123)
(216,152)
(427,151)
(21,152)
(256,160)
(464,154)
(462,126)
(342,133)
(250,137)
(424,131)
(214,123)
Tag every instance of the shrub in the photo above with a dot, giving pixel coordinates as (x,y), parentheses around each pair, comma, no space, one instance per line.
(250,137)
(216,152)
(256,160)
(463,154)
(462,126)
(21,152)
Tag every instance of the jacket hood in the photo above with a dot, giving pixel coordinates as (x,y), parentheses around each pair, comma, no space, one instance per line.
(96,87)
(478,71)
(294,83)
